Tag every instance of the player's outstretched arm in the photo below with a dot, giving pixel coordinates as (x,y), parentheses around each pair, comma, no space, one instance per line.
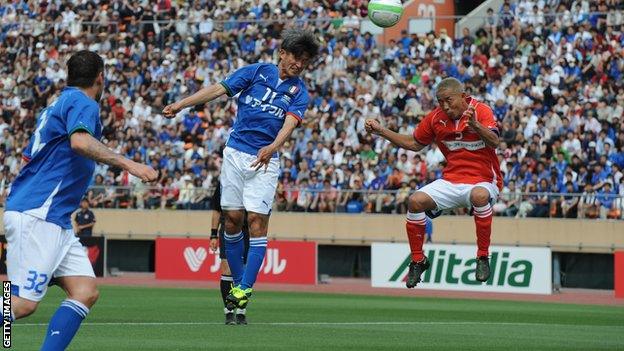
(265,154)
(86,145)
(202,96)
(403,141)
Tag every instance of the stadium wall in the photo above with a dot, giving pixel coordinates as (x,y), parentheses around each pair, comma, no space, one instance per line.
(562,235)
(584,247)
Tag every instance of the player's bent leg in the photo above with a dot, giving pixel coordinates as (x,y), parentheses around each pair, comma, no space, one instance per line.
(480,198)
(415,225)
(75,276)
(82,294)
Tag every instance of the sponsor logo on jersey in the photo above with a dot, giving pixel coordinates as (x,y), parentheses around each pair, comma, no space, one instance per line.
(468,145)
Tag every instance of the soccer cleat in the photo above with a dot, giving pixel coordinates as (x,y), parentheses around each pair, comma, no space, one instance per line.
(241,319)
(238,298)
(415,271)
(229,319)
(483,269)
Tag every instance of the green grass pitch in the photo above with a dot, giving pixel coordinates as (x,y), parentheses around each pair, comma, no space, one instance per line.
(138,318)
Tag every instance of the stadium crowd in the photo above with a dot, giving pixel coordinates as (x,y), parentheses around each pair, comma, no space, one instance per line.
(552,71)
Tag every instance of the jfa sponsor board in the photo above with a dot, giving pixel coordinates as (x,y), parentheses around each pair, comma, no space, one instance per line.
(513,269)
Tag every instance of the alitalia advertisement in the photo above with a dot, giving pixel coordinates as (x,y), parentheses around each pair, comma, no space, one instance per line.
(513,269)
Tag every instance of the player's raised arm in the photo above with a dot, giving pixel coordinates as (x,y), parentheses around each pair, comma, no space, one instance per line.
(401,140)
(487,132)
(202,96)
(86,145)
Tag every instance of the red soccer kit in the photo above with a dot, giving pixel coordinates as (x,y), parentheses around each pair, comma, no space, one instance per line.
(469,160)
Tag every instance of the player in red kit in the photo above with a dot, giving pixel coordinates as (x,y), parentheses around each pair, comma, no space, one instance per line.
(466,132)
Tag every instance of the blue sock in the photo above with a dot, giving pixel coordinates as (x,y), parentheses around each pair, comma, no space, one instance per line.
(64,325)
(257,250)
(234,251)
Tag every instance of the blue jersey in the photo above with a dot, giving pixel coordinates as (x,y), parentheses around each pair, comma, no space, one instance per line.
(55,178)
(263,104)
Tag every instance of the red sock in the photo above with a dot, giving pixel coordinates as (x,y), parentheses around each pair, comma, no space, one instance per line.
(483,222)
(415,226)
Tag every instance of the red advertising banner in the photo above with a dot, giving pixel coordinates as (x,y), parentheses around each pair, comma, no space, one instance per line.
(292,262)
(619,274)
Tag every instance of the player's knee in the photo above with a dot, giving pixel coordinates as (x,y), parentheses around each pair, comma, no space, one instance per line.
(231,227)
(479,196)
(24,308)
(233,222)
(419,202)
(88,296)
(257,225)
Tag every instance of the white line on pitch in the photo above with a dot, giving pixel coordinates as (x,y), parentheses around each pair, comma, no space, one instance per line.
(328,323)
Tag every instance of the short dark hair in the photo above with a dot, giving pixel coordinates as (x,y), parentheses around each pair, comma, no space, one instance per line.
(299,41)
(83,67)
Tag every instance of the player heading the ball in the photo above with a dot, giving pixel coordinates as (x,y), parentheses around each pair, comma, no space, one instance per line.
(272,100)
(467,134)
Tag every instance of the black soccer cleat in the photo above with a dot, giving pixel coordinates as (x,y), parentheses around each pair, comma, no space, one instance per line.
(230,319)
(241,319)
(483,269)
(416,269)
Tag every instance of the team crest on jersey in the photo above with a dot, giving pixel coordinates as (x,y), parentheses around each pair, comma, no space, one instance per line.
(293,89)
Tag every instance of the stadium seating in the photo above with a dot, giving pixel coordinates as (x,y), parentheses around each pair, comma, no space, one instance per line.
(552,74)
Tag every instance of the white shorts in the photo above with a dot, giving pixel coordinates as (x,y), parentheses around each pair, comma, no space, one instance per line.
(37,251)
(242,187)
(448,195)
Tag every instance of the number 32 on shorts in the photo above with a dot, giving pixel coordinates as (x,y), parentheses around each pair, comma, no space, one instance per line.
(36,281)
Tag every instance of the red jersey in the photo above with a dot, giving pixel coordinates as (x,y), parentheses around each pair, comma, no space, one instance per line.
(468,159)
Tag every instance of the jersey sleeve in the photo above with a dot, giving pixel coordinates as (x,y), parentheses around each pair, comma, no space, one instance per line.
(299,105)
(485,116)
(82,114)
(239,79)
(424,134)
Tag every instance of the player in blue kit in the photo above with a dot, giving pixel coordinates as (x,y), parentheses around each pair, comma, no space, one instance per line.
(271,104)
(59,164)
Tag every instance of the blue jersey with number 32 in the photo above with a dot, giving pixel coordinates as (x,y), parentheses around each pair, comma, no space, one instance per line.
(52,182)
(263,104)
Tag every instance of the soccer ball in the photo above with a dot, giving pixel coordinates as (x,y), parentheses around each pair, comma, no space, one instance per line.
(385,13)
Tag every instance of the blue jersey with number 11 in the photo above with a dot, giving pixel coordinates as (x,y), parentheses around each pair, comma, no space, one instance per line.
(263,104)
(55,178)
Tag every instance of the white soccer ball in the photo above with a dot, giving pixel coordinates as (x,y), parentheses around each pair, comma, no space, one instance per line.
(385,13)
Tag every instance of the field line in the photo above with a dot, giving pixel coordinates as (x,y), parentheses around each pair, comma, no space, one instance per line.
(381,323)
